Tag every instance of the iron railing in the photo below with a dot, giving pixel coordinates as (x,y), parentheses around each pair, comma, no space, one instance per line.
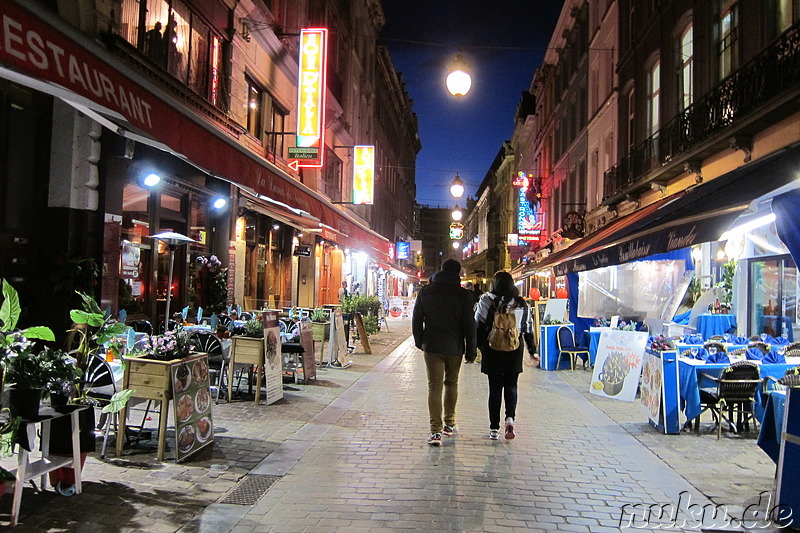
(775,70)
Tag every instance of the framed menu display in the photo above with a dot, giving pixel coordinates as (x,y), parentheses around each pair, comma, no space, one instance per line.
(191,400)
(273,366)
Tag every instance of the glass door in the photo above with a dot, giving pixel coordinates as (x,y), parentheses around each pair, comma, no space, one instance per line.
(773,290)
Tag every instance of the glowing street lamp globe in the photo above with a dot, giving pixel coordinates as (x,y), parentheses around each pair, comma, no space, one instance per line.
(457,187)
(457,214)
(456,244)
(458,81)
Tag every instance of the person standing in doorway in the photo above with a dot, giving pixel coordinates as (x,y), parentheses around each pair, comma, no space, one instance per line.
(503,367)
(444,329)
(343,292)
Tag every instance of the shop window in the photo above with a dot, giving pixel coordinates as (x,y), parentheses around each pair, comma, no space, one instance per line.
(788,14)
(333,176)
(773,297)
(277,123)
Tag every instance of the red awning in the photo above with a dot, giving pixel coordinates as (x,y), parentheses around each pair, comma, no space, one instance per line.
(38,44)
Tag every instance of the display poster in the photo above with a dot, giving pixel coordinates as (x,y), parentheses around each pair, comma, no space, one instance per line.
(652,387)
(273,367)
(557,309)
(191,399)
(308,370)
(618,364)
(400,307)
(131,256)
(337,347)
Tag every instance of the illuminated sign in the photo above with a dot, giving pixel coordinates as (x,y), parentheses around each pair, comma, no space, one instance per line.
(403,249)
(363,174)
(456,230)
(311,88)
(530,223)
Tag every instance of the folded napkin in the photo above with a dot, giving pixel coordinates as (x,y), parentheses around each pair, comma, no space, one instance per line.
(702,354)
(123,316)
(185,312)
(131,340)
(238,310)
(213,321)
(199,315)
(718,358)
(781,341)
(753,354)
(693,339)
(741,340)
(765,337)
(774,357)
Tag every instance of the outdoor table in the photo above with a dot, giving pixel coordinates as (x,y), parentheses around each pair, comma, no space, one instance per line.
(548,347)
(769,438)
(710,325)
(594,341)
(689,383)
(683,347)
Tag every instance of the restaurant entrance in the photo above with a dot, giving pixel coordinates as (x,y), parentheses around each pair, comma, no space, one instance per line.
(773,286)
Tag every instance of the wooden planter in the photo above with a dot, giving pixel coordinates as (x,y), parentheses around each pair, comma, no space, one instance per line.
(151,380)
(248,351)
(321,331)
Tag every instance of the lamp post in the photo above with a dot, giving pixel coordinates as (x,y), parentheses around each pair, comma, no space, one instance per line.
(458,81)
(172,240)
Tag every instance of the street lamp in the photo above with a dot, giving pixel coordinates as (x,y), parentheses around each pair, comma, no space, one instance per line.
(457,214)
(459,81)
(457,187)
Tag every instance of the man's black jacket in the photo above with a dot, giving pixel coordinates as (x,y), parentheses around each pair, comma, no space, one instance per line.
(444,320)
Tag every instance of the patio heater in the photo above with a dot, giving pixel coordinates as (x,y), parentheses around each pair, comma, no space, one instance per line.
(172,240)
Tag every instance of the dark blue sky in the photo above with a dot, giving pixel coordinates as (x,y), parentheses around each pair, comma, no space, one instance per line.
(503,41)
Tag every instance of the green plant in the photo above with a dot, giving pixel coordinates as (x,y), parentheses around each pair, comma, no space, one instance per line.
(319,315)
(94,328)
(728,271)
(46,369)
(366,305)
(254,328)
(370,324)
(550,321)
(9,316)
(695,290)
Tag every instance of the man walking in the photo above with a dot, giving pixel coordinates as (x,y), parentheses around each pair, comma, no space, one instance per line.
(444,329)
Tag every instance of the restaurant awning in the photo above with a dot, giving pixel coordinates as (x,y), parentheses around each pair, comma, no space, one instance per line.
(700,215)
(60,60)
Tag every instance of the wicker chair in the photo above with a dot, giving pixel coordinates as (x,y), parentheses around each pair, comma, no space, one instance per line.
(793,350)
(762,346)
(718,346)
(733,392)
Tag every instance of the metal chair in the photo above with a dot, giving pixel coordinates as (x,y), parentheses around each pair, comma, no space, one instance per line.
(209,343)
(100,386)
(733,393)
(172,326)
(142,326)
(245,316)
(224,320)
(566,345)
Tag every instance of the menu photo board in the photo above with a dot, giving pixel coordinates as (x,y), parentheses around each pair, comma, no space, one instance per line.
(273,366)
(191,399)
(618,364)
(652,387)
(308,370)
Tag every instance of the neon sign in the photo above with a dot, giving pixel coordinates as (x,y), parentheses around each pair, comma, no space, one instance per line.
(311,96)
(363,174)
(456,231)
(530,223)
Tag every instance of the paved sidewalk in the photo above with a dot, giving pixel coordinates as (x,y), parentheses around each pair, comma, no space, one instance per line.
(349,454)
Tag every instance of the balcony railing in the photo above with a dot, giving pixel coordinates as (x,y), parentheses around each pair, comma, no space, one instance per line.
(768,75)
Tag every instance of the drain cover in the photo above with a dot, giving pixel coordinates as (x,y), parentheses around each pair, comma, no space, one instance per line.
(249,490)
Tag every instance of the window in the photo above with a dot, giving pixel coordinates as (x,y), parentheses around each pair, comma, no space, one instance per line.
(255,108)
(631,116)
(175,38)
(333,176)
(685,69)
(728,39)
(653,97)
(788,13)
(277,120)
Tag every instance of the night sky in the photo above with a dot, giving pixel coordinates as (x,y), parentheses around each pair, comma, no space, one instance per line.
(503,41)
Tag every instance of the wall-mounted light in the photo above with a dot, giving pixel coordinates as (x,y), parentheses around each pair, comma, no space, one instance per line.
(697,253)
(276,226)
(219,202)
(152,179)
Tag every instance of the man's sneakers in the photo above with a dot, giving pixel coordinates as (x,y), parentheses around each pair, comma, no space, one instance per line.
(494,434)
(510,428)
(449,431)
(435,439)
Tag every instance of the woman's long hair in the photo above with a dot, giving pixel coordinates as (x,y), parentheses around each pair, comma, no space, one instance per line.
(503,286)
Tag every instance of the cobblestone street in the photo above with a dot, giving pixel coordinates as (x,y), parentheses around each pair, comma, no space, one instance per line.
(349,453)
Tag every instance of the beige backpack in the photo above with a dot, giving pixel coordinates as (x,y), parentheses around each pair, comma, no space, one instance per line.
(504,335)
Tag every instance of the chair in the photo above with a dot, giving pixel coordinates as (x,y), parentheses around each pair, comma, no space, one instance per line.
(224,320)
(142,326)
(718,346)
(246,316)
(209,343)
(733,392)
(100,386)
(763,346)
(719,338)
(566,345)
(793,350)
(172,326)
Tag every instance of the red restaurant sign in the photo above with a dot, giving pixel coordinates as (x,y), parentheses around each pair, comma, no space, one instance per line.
(34,48)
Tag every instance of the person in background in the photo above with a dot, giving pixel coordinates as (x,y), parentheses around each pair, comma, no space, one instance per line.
(444,329)
(343,292)
(503,368)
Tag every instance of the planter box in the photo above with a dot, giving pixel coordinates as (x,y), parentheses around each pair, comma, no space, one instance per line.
(321,331)
(248,351)
(151,381)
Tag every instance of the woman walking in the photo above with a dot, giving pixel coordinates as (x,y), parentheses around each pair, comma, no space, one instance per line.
(503,367)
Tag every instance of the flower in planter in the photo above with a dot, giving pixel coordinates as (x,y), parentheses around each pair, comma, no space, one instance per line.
(662,343)
(167,346)
(254,328)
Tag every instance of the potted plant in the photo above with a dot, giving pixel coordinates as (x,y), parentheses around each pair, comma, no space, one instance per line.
(320,325)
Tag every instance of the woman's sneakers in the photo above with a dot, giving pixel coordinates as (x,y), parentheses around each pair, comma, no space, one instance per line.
(494,434)
(510,428)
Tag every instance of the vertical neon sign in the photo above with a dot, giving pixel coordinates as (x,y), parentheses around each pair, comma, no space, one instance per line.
(311,95)
(363,174)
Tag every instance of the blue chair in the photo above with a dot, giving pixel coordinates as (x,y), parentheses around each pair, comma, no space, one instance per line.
(566,345)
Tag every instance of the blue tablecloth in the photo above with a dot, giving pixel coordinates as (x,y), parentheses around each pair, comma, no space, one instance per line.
(710,325)
(769,438)
(548,347)
(689,383)
(594,341)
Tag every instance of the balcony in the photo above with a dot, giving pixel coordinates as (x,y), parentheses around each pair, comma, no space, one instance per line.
(760,93)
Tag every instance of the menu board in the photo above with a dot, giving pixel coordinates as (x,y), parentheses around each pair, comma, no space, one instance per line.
(273,367)
(338,344)
(618,364)
(309,367)
(651,387)
(191,399)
